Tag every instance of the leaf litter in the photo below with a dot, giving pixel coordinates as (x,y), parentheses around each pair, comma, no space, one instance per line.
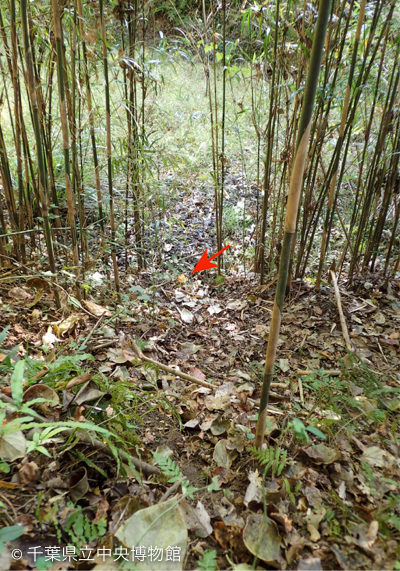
(325,496)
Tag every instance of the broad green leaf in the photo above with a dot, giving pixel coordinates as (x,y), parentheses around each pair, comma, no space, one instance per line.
(316,432)
(11,532)
(17,379)
(3,334)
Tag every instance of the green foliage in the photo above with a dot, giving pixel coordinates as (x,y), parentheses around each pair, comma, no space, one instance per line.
(208,561)
(10,533)
(81,530)
(272,459)
(4,467)
(168,467)
(292,495)
(173,11)
(26,417)
(300,430)
(171,470)
(17,379)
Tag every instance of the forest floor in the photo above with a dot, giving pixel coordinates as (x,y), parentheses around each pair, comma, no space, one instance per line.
(325,493)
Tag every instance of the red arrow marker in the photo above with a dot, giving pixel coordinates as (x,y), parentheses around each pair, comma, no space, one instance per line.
(205,263)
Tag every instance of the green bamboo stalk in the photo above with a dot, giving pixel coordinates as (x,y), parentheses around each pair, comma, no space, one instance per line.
(373,44)
(260,261)
(292,210)
(65,136)
(39,148)
(17,116)
(223,158)
(89,104)
(77,176)
(339,144)
(109,163)
(133,144)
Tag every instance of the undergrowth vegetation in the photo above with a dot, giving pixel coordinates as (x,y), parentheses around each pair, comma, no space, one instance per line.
(145,403)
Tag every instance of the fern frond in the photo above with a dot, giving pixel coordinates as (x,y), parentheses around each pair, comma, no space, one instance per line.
(168,467)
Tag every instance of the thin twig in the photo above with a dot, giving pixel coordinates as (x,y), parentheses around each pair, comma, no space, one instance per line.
(95,326)
(343,323)
(170,370)
(172,489)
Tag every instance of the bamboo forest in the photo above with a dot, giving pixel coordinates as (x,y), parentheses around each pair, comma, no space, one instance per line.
(199,285)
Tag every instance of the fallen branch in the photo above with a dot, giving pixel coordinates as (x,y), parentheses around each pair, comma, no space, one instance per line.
(330,372)
(167,369)
(343,323)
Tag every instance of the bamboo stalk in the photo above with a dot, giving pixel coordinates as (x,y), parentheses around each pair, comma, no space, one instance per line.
(39,148)
(88,101)
(109,152)
(17,116)
(292,210)
(65,136)
(324,243)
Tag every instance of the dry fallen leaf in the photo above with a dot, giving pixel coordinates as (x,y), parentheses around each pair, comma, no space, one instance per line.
(186,315)
(19,294)
(197,519)
(28,473)
(262,539)
(321,454)
(375,456)
(78,380)
(95,309)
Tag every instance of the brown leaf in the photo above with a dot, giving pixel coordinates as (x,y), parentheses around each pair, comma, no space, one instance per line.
(28,473)
(78,484)
(196,519)
(28,521)
(95,309)
(38,283)
(42,391)
(78,380)
(102,509)
(195,372)
(352,559)
(89,392)
(254,492)
(66,326)
(38,297)
(78,414)
(262,539)
(313,496)
(364,536)
(9,485)
(19,294)
(280,518)
(310,564)
(224,475)
(394,342)
(322,454)
(230,537)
